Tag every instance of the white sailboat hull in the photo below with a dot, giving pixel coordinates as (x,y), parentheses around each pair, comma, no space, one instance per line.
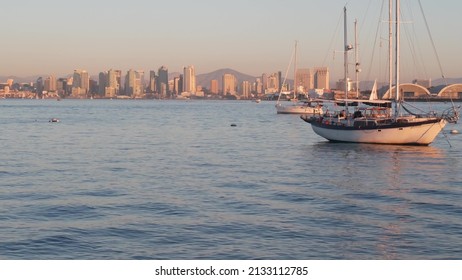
(298,109)
(415,134)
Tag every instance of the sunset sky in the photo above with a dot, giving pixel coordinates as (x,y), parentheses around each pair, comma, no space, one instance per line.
(251,36)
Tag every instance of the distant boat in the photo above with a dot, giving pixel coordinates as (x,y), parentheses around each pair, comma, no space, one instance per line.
(294,106)
(383,122)
(301,107)
(374,95)
(258,100)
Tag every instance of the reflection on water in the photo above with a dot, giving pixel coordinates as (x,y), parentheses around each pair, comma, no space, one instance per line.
(377,188)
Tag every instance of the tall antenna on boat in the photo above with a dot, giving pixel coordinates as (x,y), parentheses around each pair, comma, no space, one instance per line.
(357,69)
(390,45)
(397,59)
(295,71)
(347,48)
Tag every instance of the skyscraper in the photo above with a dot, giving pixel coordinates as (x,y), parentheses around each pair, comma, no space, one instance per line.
(214,86)
(102,83)
(177,86)
(162,81)
(80,83)
(305,79)
(152,82)
(39,87)
(50,83)
(189,79)
(134,83)
(321,78)
(113,82)
(246,89)
(229,84)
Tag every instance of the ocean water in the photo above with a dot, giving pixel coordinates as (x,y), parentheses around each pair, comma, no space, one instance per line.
(150,179)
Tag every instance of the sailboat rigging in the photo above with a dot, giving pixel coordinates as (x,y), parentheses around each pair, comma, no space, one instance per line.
(383,121)
(305,107)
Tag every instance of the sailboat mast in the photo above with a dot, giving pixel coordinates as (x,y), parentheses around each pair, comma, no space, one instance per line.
(390,45)
(397,43)
(295,71)
(357,70)
(347,48)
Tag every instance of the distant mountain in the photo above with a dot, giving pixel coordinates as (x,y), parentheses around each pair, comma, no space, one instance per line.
(17,79)
(447,81)
(204,79)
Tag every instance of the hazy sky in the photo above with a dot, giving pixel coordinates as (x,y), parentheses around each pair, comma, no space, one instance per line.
(251,36)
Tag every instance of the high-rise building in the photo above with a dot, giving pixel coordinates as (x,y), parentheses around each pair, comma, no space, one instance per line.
(305,80)
(80,83)
(102,83)
(113,82)
(180,84)
(264,80)
(189,79)
(50,84)
(279,81)
(245,89)
(162,81)
(39,87)
(214,86)
(61,86)
(134,83)
(176,86)
(272,83)
(321,78)
(229,84)
(152,81)
(258,86)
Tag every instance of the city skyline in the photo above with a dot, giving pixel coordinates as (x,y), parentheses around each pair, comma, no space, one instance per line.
(47,37)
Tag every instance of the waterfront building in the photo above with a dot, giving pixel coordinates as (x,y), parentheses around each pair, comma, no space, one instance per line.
(61,86)
(258,86)
(272,83)
(176,86)
(162,81)
(39,87)
(113,83)
(50,84)
(102,83)
(245,89)
(80,83)
(321,78)
(214,86)
(264,80)
(279,75)
(229,84)
(134,83)
(152,81)
(305,80)
(189,79)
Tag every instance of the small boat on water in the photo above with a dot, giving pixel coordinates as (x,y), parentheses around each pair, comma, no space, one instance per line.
(300,107)
(295,106)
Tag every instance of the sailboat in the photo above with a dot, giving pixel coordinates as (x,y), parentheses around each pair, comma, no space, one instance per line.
(382,121)
(374,95)
(306,107)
